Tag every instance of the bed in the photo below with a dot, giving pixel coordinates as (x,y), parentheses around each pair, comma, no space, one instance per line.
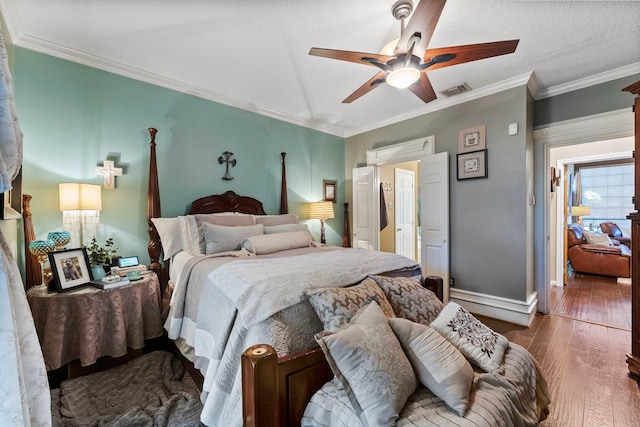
(225,299)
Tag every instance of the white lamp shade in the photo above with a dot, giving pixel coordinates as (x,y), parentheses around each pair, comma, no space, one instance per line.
(321,210)
(80,197)
(580,210)
(403,77)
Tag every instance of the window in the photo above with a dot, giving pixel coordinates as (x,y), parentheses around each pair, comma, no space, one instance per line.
(608,189)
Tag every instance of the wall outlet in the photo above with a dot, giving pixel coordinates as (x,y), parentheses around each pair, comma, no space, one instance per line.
(452,282)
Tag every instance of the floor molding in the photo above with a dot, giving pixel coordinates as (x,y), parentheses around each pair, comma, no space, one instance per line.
(509,310)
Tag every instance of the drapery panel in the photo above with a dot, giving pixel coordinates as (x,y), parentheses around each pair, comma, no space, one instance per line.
(10,133)
(24,390)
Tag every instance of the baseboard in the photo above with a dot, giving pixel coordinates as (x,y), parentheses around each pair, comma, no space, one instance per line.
(509,310)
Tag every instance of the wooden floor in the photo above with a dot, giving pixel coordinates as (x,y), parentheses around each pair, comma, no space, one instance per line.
(584,365)
(595,299)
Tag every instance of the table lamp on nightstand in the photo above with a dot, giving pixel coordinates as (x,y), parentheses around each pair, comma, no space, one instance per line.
(321,211)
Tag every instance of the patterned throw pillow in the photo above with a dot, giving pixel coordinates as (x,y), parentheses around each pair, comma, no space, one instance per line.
(336,306)
(368,360)
(439,366)
(479,344)
(409,299)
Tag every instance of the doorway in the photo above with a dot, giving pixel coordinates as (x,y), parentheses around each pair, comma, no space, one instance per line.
(592,298)
(399,198)
(433,204)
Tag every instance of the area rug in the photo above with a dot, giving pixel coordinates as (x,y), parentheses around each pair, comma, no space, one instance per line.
(148,391)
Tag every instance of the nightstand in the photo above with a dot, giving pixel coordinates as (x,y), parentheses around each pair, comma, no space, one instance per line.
(88,323)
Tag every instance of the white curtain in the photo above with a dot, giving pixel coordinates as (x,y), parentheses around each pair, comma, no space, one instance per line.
(24,390)
(10,133)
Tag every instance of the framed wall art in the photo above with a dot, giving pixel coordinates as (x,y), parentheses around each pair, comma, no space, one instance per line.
(329,191)
(472,139)
(70,268)
(472,165)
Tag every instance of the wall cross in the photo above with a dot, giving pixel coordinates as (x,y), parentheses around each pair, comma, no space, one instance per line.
(109,172)
(226,158)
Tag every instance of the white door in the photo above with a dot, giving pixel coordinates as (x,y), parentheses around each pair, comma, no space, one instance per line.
(366,208)
(434,221)
(405,212)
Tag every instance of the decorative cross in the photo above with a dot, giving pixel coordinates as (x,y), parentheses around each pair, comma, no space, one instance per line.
(226,158)
(109,172)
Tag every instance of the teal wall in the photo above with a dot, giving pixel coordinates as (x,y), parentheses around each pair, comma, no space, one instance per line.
(74,117)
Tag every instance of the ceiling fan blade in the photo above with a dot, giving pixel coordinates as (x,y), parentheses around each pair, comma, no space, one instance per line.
(423,20)
(371,84)
(423,89)
(349,56)
(470,52)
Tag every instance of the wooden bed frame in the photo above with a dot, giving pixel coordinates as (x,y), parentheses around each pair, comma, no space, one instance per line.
(275,390)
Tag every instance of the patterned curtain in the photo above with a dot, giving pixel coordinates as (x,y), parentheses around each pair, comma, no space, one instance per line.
(10,133)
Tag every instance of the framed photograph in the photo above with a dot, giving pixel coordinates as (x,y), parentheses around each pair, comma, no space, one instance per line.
(472,165)
(471,139)
(329,191)
(70,268)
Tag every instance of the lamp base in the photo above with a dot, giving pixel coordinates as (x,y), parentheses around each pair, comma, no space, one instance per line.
(322,235)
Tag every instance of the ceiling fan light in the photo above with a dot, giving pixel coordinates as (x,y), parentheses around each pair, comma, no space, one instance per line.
(390,47)
(403,77)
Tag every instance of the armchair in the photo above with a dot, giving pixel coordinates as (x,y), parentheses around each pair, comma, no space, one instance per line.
(612,229)
(596,259)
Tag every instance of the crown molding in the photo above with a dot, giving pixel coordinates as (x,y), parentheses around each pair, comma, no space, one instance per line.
(442,103)
(595,79)
(52,49)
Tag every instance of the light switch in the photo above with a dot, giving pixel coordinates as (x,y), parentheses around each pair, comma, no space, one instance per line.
(513,129)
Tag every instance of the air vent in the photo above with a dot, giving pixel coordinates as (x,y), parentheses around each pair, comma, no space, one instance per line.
(456,90)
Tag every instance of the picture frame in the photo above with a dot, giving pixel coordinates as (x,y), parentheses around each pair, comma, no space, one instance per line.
(329,191)
(70,268)
(472,165)
(472,139)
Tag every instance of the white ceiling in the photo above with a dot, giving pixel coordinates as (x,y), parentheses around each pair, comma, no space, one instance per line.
(253,54)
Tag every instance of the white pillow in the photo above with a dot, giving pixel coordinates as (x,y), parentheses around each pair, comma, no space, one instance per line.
(479,344)
(270,243)
(269,220)
(219,238)
(598,238)
(439,366)
(368,360)
(284,228)
(169,231)
(189,235)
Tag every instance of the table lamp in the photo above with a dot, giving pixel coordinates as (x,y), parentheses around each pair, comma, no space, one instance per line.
(321,211)
(580,211)
(80,205)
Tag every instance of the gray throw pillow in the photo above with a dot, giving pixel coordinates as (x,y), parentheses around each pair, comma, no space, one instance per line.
(368,360)
(409,299)
(439,366)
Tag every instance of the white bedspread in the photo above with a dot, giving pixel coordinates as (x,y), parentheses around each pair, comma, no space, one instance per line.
(213,323)
(262,287)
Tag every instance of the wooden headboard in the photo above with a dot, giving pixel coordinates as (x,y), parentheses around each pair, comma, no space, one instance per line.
(227,202)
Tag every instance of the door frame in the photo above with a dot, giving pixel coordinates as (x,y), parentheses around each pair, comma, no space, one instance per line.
(610,125)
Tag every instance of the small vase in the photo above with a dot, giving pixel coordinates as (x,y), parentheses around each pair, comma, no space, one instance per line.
(97,271)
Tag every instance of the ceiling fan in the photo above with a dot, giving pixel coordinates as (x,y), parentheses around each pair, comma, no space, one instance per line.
(407,66)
